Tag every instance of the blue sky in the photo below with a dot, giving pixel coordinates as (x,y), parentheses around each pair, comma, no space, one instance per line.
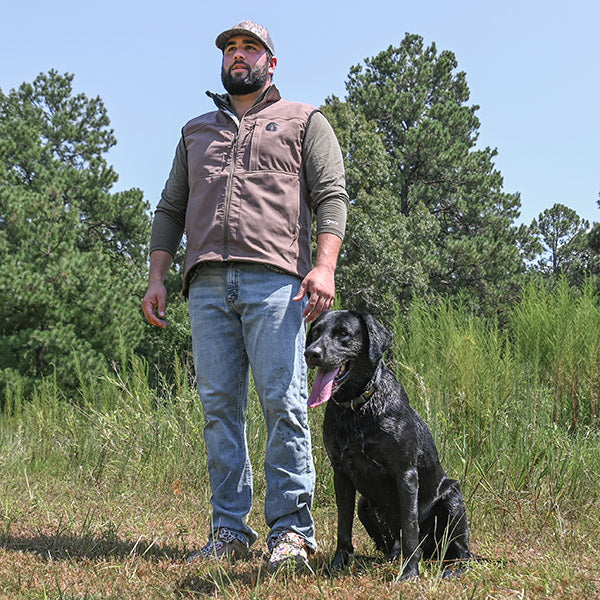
(531,65)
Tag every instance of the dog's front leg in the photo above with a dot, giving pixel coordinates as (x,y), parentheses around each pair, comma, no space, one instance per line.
(408,492)
(345,497)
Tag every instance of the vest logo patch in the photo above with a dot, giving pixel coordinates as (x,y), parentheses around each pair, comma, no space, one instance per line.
(272,126)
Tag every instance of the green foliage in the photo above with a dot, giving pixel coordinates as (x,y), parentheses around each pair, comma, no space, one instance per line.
(562,236)
(71,253)
(385,261)
(481,382)
(592,252)
(409,139)
(417,103)
(463,354)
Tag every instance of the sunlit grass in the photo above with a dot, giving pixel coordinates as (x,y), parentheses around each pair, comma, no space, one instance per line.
(103,495)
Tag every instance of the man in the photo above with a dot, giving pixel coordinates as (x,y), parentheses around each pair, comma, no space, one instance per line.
(245,182)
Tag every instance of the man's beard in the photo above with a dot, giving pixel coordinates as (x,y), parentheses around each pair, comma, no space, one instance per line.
(254,80)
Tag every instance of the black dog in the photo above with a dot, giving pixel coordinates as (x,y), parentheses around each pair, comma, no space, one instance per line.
(380,447)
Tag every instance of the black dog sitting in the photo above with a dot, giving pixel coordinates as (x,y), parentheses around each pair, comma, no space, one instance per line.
(379,446)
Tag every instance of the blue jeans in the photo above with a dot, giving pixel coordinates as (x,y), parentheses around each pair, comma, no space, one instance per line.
(243,317)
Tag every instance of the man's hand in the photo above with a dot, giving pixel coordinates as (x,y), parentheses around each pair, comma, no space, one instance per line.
(320,285)
(320,282)
(155,299)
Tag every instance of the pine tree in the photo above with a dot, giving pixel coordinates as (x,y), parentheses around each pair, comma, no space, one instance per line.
(72,254)
(426,200)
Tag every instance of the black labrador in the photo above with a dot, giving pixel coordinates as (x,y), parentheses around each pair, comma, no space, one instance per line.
(379,446)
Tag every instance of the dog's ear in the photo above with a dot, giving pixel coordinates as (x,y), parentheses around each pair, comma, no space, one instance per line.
(380,337)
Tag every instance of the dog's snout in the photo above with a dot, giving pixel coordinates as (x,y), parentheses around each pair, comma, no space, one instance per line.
(313,354)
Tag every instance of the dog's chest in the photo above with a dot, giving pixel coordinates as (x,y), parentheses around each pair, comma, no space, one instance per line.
(361,461)
(360,451)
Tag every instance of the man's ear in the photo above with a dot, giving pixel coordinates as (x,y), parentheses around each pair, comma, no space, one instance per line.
(272,65)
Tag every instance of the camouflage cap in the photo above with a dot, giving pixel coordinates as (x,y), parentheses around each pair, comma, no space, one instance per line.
(250,28)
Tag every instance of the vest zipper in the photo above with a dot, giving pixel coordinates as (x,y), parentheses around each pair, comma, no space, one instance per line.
(230,187)
(229,191)
(228,199)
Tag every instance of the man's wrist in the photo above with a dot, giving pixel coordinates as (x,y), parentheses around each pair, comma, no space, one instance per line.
(325,266)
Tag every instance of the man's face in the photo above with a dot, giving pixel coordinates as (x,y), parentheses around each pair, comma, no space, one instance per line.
(246,66)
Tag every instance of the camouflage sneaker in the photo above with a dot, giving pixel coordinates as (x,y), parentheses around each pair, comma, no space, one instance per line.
(289,550)
(222,545)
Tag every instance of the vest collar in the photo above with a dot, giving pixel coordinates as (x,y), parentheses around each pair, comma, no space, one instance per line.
(271,94)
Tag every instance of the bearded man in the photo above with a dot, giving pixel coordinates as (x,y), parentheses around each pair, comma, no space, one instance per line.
(245,183)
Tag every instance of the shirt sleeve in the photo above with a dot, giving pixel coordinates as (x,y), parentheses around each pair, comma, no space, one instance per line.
(169,218)
(325,176)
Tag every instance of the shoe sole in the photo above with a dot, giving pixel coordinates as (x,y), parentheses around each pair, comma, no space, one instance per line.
(297,565)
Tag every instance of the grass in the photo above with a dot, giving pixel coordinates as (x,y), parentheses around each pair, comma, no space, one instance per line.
(62,541)
(103,495)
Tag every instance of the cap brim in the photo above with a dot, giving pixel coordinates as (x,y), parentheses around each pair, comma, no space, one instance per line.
(224,37)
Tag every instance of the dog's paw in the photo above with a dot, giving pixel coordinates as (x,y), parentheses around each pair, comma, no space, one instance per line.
(409,572)
(341,559)
(410,569)
(454,571)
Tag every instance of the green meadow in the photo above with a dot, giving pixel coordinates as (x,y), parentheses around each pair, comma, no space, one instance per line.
(104,492)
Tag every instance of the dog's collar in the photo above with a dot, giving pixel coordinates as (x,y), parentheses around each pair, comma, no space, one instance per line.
(371,388)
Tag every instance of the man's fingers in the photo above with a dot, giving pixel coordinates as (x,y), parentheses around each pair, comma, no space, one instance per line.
(149,303)
(320,287)
(151,317)
(161,307)
(301,292)
(316,306)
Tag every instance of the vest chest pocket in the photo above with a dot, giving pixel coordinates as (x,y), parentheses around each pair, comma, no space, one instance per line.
(209,151)
(276,146)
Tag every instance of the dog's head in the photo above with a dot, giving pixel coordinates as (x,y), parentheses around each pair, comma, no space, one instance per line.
(344,346)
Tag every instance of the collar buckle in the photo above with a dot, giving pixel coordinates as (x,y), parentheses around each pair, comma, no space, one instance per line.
(372,387)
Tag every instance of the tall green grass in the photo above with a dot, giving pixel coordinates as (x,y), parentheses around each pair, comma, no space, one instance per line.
(557,340)
(117,429)
(511,408)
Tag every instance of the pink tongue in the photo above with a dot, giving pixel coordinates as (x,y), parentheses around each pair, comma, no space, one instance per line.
(322,387)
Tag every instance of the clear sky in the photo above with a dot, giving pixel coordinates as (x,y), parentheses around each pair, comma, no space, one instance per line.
(533,67)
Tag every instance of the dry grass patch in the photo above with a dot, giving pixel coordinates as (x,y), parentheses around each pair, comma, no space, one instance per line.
(60,542)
